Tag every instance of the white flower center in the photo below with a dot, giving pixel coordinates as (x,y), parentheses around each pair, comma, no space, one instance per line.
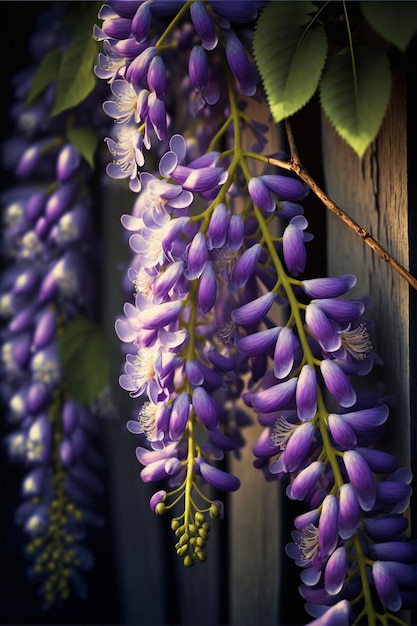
(282,431)
(357,342)
(309,542)
(147,419)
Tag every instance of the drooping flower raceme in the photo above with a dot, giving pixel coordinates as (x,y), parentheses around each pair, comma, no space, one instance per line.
(216,249)
(49,280)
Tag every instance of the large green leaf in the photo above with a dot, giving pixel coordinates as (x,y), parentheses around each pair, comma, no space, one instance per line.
(395,21)
(290,52)
(76,78)
(355,95)
(84,359)
(84,139)
(46,72)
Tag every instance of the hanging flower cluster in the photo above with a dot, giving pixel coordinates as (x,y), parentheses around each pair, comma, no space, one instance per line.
(217,249)
(49,278)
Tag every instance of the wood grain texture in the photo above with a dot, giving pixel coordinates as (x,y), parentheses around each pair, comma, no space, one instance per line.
(254,521)
(373,191)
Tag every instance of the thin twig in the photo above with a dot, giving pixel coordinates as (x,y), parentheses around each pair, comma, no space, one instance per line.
(296,166)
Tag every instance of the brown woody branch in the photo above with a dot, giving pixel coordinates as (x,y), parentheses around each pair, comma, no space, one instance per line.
(295,165)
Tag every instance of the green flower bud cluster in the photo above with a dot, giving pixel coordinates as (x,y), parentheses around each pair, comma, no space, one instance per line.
(192,539)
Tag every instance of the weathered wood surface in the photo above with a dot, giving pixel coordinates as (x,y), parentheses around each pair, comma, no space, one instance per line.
(374,192)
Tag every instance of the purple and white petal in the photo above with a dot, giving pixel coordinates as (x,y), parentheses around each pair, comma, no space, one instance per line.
(361,478)
(337,383)
(306,393)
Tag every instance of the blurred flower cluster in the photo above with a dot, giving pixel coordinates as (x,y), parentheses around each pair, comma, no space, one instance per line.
(217,249)
(49,278)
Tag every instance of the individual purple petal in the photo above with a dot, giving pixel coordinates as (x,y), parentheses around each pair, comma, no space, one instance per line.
(141,22)
(67,163)
(404,574)
(217,230)
(207,289)
(218,478)
(259,342)
(335,615)
(341,310)
(385,528)
(305,480)
(157,498)
(157,76)
(378,460)
(306,393)
(197,256)
(335,571)
(160,469)
(329,287)
(194,373)
(207,409)
(69,415)
(253,312)
(349,511)
(285,187)
(221,361)
(179,415)
(66,453)
(328,526)
(394,493)
(366,419)
(284,353)
(361,478)
(245,266)
(239,64)
(60,200)
(322,329)
(203,179)
(157,115)
(293,245)
(166,281)
(198,67)
(402,551)
(45,329)
(342,434)
(236,232)
(261,196)
(337,383)
(204,25)
(274,397)
(298,446)
(160,315)
(386,587)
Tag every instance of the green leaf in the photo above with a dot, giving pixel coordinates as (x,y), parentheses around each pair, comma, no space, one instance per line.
(46,72)
(76,78)
(355,97)
(290,52)
(84,139)
(84,359)
(395,21)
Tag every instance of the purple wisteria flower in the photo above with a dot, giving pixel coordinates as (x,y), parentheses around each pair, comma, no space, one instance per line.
(48,281)
(212,271)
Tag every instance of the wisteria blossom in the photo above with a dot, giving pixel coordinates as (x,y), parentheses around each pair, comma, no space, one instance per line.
(222,324)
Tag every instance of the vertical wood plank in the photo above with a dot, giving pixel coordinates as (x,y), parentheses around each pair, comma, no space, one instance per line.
(374,193)
(254,521)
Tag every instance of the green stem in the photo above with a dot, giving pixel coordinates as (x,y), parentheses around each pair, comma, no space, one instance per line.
(174,23)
